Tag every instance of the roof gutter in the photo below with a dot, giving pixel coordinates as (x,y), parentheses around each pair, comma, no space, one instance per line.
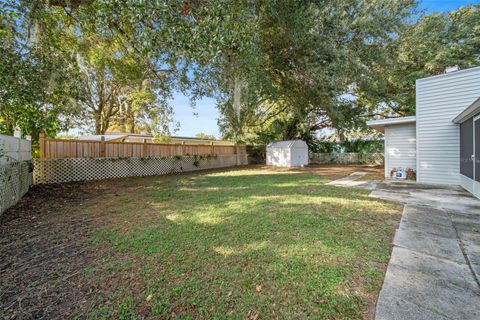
(469,112)
(379,125)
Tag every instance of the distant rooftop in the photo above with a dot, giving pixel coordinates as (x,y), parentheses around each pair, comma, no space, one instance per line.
(118,135)
(98,137)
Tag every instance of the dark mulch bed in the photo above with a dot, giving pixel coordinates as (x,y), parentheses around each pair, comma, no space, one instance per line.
(44,250)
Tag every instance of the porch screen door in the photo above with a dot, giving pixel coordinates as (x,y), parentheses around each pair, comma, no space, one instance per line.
(476,149)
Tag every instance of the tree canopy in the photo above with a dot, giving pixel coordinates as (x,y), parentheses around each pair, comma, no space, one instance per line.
(277,68)
(35,84)
(423,49)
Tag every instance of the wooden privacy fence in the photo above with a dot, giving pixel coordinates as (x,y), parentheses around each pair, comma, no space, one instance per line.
(81,160)
(59,148)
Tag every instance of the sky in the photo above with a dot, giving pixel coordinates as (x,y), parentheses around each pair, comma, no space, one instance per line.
(206,119)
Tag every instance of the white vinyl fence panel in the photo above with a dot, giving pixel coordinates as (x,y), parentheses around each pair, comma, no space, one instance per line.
(14,149)
(347,158)
(15,179)
(15,170)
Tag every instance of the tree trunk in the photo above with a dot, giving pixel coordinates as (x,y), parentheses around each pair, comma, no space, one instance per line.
(291,131)
(105,125)
(101,123)
(98,122)
(132,126)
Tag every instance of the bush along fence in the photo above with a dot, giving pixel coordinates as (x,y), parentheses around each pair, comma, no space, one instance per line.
(347,158)
(15,170)
(77,160)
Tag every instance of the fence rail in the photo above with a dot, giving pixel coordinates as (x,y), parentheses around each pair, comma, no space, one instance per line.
(59,148)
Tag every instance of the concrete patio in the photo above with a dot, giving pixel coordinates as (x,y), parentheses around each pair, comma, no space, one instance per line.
(434,269)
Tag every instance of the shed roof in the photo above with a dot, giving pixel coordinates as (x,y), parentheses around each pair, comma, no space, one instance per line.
(469,112)
(288,144)
(380,124)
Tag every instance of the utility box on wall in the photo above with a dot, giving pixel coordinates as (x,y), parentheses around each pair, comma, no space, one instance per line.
(290,153)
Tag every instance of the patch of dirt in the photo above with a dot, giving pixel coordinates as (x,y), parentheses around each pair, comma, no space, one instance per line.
(46,257)
(44,251)
(373,173)
(332,171)
(336,171)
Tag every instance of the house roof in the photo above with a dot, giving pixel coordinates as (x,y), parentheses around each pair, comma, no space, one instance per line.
(288,144)
(379,125)
(469,112)
(98,137)
(118,135)
(448,74)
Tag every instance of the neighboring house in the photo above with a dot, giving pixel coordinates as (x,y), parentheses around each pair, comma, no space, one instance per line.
(140,137)
(439,142)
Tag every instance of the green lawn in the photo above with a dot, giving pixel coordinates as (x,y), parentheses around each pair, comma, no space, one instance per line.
(253,243)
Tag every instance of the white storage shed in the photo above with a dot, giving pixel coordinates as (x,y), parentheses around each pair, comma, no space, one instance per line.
(290,153)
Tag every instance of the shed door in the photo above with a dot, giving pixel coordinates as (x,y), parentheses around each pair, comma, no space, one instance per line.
(476,142)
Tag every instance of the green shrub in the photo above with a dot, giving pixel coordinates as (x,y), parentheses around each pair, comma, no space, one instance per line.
(355,146)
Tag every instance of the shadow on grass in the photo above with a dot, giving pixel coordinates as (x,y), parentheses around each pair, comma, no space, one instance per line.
(241,244)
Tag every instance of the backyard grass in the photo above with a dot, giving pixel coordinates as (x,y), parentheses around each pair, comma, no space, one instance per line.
(235,244)
(250,243)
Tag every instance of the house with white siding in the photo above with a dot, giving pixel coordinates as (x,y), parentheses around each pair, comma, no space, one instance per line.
(431,141)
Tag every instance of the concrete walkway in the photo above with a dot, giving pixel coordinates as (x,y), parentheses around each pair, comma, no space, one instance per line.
(349,181)
(434,269)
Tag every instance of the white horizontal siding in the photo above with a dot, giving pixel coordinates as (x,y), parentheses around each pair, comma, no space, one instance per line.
(400,147)
(439,100)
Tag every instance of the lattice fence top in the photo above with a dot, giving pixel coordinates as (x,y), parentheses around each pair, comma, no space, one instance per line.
(80,169)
